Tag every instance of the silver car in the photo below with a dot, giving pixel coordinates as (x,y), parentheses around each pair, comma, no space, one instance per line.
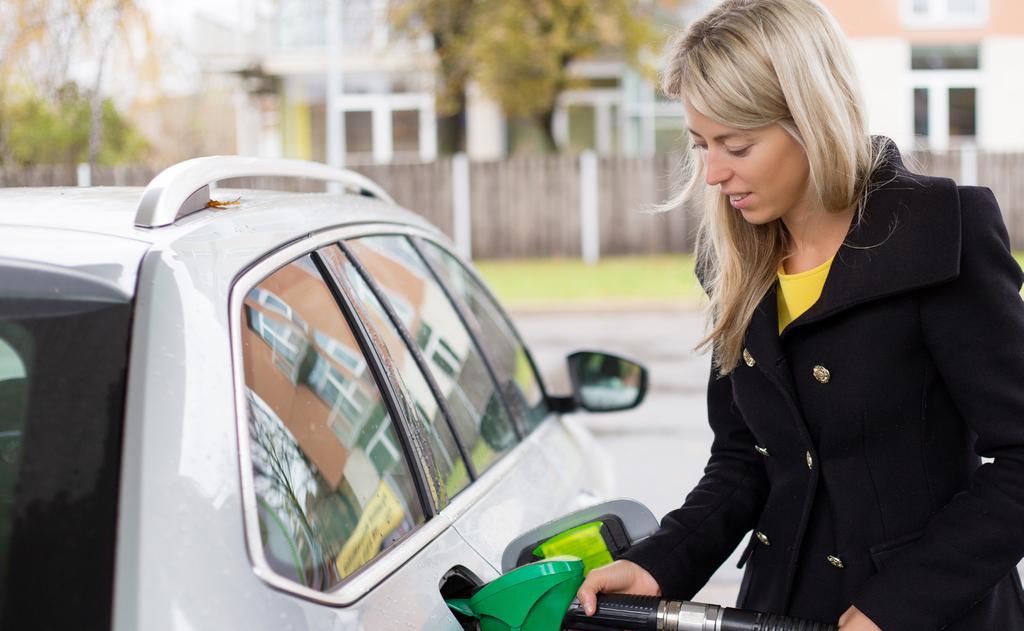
(240,409)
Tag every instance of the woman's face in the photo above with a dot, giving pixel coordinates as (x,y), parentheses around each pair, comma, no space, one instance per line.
(764,172)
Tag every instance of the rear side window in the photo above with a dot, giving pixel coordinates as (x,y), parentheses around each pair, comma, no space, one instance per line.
(514,369)
(481,420)
(333,487)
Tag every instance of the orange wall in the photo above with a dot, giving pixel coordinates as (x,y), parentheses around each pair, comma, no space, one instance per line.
(881,18)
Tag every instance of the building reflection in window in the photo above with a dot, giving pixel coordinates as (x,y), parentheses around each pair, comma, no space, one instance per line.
(480,417)
(333,488)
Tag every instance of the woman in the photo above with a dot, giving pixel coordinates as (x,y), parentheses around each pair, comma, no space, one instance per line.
(849,407)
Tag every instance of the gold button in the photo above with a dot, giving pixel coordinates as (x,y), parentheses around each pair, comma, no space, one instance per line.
(834,560)
(761,450)
(748,358)
(810,461)
(763,538)
(821,373)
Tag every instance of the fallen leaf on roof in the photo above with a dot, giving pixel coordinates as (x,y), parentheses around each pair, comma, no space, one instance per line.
(216,203)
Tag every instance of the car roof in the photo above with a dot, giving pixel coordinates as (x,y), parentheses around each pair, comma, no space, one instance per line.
(93,229)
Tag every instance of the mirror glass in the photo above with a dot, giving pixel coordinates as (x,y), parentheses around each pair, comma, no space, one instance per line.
(606,383)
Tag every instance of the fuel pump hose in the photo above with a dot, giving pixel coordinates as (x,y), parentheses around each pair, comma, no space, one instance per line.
(651,613)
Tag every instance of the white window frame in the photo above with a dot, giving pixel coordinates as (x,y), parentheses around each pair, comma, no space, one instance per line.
(938,84)
(939,15)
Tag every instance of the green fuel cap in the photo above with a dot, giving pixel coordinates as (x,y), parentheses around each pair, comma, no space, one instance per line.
(584,541)
(533,597)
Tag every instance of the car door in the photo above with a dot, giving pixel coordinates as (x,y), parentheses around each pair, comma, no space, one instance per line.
(348,456)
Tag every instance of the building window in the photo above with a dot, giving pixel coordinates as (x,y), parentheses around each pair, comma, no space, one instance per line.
(945,13)
(945,84)
(963,115)
(944,57)
(921,112)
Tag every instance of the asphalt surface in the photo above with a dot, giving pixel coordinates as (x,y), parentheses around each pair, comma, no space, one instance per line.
(659,449)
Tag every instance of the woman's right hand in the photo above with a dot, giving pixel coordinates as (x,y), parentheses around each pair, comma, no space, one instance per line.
(619,577)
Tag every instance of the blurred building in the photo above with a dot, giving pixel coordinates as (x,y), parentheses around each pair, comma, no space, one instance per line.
(385,103)
(940,74)
(936,74)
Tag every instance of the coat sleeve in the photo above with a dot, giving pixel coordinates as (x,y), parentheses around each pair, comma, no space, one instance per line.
(695,539)
(974,331)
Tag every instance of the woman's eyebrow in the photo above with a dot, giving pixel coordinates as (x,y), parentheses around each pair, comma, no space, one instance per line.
(723,137)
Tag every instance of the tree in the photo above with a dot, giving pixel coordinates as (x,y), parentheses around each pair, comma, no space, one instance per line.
(449,25)
(57,131)
(519,51)
(39,38)
(522,49)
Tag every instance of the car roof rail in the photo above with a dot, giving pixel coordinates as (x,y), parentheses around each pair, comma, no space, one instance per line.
(184,188)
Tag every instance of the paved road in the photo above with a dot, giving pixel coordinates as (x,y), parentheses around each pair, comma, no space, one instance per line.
(659,449)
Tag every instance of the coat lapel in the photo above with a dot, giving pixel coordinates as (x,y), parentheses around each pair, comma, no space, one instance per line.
(907,238)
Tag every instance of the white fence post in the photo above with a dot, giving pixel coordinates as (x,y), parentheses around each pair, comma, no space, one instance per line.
(590,227)
(84,174)
(461,225)
(969,166)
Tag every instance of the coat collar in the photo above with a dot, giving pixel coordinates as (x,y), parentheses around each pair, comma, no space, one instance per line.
(908,237)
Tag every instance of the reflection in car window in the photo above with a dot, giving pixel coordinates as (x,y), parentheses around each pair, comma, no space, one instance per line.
(508,356)
(481,420)
(448,463)
(333,488)
(13,398)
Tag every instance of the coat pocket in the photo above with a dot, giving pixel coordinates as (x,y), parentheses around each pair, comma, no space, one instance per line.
(887,551)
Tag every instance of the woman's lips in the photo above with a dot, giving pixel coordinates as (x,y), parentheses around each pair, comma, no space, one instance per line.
(740,201)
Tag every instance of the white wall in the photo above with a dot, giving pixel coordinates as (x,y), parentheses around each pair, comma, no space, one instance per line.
(1000,120)
(883,66)
(485,126)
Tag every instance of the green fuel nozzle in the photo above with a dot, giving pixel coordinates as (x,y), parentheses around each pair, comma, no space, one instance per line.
(533,597)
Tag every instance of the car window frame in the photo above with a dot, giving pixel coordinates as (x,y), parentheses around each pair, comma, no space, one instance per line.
(471,330)
(361,582)
(406,337)
(468,267)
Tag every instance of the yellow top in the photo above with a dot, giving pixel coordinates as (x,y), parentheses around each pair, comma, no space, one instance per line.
(797,292)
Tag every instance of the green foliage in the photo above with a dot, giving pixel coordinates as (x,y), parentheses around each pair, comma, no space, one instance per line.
(519,51)
(41,131)
(449,24)
(523,48)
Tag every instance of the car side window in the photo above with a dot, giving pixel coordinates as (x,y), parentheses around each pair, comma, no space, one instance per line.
(511,362)
(333,486)
(447,463)
(482,422)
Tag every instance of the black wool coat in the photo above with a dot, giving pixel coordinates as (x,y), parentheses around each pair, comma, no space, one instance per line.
(851,445)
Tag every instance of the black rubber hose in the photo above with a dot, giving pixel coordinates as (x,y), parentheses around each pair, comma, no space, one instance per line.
(744,620)
(640,613)
(615,611)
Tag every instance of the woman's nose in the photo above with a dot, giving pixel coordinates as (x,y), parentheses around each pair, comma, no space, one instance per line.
(715,172)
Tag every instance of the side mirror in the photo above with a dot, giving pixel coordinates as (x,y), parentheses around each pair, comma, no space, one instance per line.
(606,383)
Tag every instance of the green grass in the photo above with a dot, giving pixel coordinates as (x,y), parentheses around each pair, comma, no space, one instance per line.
(612,281)
(622,281)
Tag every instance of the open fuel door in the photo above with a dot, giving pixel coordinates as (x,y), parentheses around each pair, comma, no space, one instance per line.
(596,534)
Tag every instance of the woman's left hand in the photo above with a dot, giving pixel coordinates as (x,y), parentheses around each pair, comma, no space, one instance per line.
(855,620)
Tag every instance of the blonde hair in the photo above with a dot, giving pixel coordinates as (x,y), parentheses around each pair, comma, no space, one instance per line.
(748,64)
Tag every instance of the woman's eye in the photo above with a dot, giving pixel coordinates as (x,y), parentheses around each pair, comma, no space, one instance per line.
(739,153)
(700,147)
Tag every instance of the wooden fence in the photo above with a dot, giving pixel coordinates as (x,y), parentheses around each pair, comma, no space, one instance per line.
(531,206)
